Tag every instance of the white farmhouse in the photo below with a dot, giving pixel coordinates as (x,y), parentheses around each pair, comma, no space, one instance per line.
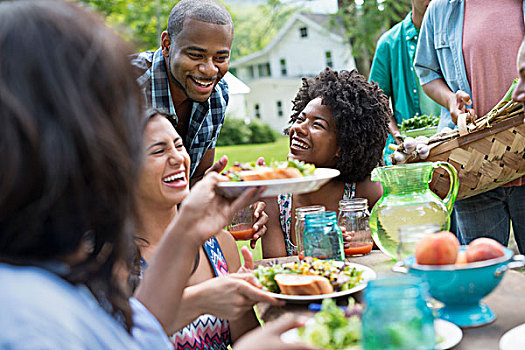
(303,47)
(237,92)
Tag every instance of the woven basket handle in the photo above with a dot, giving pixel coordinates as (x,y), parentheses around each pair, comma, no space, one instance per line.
(462,124)
(454,184)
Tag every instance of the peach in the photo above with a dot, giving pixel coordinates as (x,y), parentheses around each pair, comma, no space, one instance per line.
(437,249)
(484,249)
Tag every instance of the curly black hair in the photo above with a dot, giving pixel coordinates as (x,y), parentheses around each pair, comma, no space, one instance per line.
(361,114)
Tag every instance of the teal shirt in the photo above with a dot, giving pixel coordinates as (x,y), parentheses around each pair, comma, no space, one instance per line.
(392,69)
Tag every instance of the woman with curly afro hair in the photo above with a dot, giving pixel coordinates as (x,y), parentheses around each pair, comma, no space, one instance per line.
(340,121)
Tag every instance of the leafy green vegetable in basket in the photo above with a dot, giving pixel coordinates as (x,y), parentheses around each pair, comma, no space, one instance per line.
(331,329)
(419,122)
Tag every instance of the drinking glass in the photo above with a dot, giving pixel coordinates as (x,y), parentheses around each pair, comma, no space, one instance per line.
(354,216)
(300,214)
(241,226)
(323,239)
(409,235)
(396,315)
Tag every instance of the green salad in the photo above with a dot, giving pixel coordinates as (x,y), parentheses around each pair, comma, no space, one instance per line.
(341,276)
(331,329)
(305,169)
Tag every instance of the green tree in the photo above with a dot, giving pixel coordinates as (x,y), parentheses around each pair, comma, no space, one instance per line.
(256,26)
(138,21)
(365,21)
(141,21)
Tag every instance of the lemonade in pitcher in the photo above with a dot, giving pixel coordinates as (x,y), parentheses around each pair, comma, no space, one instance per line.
(407,200)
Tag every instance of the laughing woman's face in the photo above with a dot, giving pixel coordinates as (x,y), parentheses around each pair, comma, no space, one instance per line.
(313,137)
(164,177)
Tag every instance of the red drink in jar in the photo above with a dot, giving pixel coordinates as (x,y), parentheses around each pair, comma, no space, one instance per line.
(358,248)
(241,231)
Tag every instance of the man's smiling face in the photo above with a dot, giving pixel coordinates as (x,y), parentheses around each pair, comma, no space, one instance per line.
(199,56)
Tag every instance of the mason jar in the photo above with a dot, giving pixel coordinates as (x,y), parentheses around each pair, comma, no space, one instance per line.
(397,316)
(300,214)
(323,239)
(354,218)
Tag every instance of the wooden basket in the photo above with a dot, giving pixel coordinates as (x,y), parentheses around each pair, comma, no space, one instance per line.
(485,159)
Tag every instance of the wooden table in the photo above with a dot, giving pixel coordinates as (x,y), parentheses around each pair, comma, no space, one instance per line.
(507,301)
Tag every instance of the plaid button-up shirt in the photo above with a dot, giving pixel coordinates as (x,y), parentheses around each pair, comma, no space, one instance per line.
(206,117)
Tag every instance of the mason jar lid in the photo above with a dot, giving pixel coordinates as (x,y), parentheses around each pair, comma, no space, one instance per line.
(302,211)
(353,204)
(321,218)
(396,288)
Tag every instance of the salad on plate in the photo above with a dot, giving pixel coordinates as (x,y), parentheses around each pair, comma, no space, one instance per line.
(309,277)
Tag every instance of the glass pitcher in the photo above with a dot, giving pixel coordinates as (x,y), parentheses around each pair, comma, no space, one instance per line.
(407,200)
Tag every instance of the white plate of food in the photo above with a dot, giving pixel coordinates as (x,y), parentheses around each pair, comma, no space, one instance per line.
(300,183)
(350,277)
(513,339)
(448,335)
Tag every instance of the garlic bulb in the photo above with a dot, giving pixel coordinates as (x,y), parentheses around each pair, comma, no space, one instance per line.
(399,157)
(423,151)
(409,144)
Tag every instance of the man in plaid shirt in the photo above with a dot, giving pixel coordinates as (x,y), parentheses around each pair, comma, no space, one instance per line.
(184,76)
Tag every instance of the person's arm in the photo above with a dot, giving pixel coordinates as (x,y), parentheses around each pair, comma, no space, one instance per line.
(246,321)
(273,244)
(202,214)
(204,166)
(371,190)
(456,103)
(380,73)
(231,297)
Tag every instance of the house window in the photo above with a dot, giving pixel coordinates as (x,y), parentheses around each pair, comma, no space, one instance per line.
(251,73)
(304,32)
(328,59)
(257,111)
(279,108)
(264,69)
(283,67)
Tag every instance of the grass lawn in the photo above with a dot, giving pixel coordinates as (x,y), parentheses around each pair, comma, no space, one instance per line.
(257,253)
(249,153)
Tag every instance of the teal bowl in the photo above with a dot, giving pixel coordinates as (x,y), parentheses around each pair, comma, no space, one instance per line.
(461,287)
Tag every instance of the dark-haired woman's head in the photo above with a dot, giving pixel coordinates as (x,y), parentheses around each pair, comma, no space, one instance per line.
(340,120)
(164,176)
(70,139)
